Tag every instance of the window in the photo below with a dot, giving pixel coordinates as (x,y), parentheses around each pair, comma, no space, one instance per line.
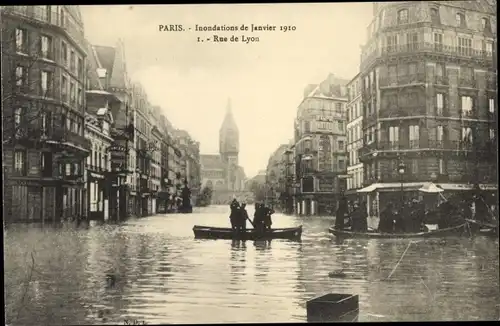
(467,104)
(338,108)
(63,18)
(67,170)
(464,46)
(441,166)
(79,97)
(341,145)
(412,39)
(72,92)
(491,105)
(20,162)
(64,53)
(341,164)
(20,76)
(460,20)
(439,104)
(414,133)
(45,82)
(440,70)
(393,137)
(485,25)
(439,133)
(492,134)
(18,120)
(46,164)
(467,134)
(435,19)
(307,126)
(21,40)
(46,47)
(341,125)
(392,43)
(487,47)
(403,16)
(79,68)
(72,61)
(414,166)
(438,41)
(64,88)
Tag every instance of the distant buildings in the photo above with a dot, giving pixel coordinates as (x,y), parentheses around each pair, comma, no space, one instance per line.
(429,99)
(80,140)
(354,133)
(320,147)
(222,172)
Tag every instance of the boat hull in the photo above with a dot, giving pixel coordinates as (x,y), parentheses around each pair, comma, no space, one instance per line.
(457,230)
(207,232)
(483,228)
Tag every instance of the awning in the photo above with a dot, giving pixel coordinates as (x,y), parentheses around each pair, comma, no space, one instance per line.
(370,188)
(466,186)
(431,188)
(392,186)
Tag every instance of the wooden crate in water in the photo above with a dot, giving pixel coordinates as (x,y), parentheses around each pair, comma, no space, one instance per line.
(333,307)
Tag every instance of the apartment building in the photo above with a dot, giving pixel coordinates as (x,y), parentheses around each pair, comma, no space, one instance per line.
(429,98)
(43,106)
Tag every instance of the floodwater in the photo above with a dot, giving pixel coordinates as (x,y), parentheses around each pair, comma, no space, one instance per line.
(163,275)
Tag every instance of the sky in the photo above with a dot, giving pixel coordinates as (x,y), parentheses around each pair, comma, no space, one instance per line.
(192,81)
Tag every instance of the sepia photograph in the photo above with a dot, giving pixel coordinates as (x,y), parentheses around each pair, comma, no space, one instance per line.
(250,163)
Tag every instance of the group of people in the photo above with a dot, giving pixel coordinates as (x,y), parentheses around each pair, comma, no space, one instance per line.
(355,213)
(408,218)
(262,217)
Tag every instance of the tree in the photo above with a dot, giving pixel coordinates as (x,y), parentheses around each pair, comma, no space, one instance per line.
(205,197)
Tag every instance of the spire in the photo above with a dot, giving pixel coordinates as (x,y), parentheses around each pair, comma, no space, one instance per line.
(229,123)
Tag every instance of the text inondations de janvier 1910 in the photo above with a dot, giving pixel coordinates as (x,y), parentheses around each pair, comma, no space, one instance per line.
(216,33)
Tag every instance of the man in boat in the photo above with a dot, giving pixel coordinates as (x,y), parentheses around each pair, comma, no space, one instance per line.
(359,222)
(234,216)
(268,222)
(258,218)
(386,223)
(243,216)
(341,213)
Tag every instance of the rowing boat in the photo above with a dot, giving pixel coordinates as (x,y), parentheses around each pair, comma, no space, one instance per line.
(373,234)
(208,232)
(483,228)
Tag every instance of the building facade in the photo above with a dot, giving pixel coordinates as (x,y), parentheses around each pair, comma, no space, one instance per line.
(221,172)
(320,147)
(429,98)
(109,88)
(354,134)
(43,107)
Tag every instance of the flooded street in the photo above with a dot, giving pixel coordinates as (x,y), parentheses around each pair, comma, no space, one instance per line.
(153,270)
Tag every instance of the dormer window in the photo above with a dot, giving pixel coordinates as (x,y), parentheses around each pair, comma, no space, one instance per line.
(101,72)
(485,25)
(460,18)
(403,16)
(435,19)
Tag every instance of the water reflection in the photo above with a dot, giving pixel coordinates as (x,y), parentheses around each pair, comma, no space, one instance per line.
(153,270)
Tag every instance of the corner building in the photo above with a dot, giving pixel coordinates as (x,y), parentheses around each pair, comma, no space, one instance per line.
(43,108)
(429,97)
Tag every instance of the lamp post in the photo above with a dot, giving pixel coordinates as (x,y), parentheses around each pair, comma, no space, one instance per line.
(401,171)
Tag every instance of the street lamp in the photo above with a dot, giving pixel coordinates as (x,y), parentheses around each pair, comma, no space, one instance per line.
(401,171)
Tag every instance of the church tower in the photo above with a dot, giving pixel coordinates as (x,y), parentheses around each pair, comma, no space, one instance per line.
(229,138)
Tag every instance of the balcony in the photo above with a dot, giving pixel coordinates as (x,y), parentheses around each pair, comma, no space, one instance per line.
(66,137)
(469,114)
(455,51)
(399,81)
(441,80)
(467,83)
(47,15)
(406,110)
